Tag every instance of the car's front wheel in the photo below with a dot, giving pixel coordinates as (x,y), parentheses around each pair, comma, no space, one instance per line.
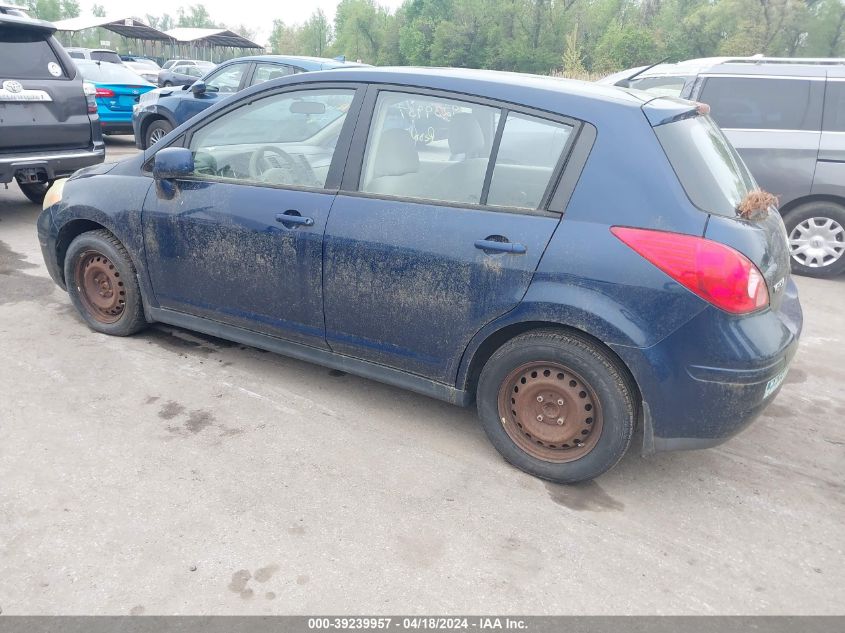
(35,191)
(103,285)
(557,406)
(156,131)
(816,233)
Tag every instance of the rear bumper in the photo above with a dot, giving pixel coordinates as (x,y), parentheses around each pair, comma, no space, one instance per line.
(714,376)
(55,164)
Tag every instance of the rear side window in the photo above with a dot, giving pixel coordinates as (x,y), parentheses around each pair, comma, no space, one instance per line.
(266,72)
(429,148)
(834,107)
(27,54)
(710,170)
(106,56)
(528,154)
(763,103)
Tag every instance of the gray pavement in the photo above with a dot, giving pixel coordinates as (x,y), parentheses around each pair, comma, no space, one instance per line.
(173,473)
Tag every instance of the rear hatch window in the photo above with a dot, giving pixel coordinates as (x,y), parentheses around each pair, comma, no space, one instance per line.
(106,56)
(713,175)
(26,54)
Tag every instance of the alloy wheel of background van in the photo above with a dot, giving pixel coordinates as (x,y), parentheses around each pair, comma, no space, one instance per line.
(557,405)
(102,284)
(816,233)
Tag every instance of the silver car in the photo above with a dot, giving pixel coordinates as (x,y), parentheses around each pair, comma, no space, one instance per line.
(787,119)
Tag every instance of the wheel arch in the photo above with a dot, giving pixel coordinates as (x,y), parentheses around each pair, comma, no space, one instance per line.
(481,352)
(69,232)
(147,121)
(817,197)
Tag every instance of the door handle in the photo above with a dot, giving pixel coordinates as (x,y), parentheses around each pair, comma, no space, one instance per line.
(293,218)
(496,246)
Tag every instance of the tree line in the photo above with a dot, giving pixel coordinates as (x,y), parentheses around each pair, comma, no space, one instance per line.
(575,37)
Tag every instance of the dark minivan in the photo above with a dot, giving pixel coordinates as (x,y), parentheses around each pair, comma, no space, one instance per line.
(570,257)
(48,125)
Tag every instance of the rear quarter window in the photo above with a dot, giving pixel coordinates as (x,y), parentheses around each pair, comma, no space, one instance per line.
(28,54)
(763,103)
(834,107)
(710,170)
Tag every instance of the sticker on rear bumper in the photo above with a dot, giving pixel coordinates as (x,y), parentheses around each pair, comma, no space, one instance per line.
(775,382)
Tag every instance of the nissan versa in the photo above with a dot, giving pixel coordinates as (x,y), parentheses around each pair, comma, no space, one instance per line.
(573,258)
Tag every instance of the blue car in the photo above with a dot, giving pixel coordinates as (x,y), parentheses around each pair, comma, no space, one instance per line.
(574,259)
(162,110)
(116,90)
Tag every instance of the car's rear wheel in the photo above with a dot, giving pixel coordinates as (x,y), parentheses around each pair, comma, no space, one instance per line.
(156,131)
(35,191)
(816,232)
(103,285)
(557,406)
(167,84)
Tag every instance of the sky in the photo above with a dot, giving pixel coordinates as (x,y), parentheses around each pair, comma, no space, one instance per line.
(255,14)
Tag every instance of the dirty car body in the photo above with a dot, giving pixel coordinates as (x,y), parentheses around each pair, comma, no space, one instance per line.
(530,262)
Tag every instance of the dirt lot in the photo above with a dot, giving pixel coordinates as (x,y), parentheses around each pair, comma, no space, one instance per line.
(171,473)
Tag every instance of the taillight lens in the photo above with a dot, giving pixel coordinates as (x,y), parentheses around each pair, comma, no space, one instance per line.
(90,93)
(104,92)
(715,272)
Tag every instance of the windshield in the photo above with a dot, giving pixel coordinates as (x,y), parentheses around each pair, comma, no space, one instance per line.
(106,56)
(660,86)
(709,168)
(105,73)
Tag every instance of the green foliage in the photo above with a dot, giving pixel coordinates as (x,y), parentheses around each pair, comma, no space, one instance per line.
(573,37)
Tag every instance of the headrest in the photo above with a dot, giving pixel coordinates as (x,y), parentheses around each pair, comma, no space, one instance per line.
(465,135)
(396,154)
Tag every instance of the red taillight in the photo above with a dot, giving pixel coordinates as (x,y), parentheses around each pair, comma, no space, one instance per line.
(715,272)
(105,92)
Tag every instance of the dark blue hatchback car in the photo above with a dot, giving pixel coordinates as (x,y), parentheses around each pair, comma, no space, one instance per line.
(159,111)
(569,257)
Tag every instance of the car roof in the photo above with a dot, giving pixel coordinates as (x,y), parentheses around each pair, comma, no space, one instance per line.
(303,61)
(23,22)
(754,65)
(567,97)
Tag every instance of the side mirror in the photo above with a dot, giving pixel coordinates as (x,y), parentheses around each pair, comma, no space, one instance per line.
(198,87)
(173,162)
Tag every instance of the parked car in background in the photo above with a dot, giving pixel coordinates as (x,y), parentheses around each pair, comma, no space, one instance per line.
(95,54)
(182,75)
(146,68)
(786,117)
(162,110)
(117,89)
(526,263)
(48,127)
(183,62)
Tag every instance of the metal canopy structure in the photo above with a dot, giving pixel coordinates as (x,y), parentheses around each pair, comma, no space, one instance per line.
(130,28)
(180,42)
(211,37)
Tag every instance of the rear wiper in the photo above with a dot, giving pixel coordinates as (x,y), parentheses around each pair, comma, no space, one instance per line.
(626,83)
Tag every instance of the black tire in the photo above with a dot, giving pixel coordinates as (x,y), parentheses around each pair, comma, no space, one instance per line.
(606,379)
(35,191)
(127,318)
(804,216)
(156,127)
(167,84)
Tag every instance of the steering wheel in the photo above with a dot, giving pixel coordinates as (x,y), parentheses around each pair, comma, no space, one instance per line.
(270,157)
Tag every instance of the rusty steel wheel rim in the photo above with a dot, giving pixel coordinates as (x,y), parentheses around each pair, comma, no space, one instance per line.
(100,287)
(550,412)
